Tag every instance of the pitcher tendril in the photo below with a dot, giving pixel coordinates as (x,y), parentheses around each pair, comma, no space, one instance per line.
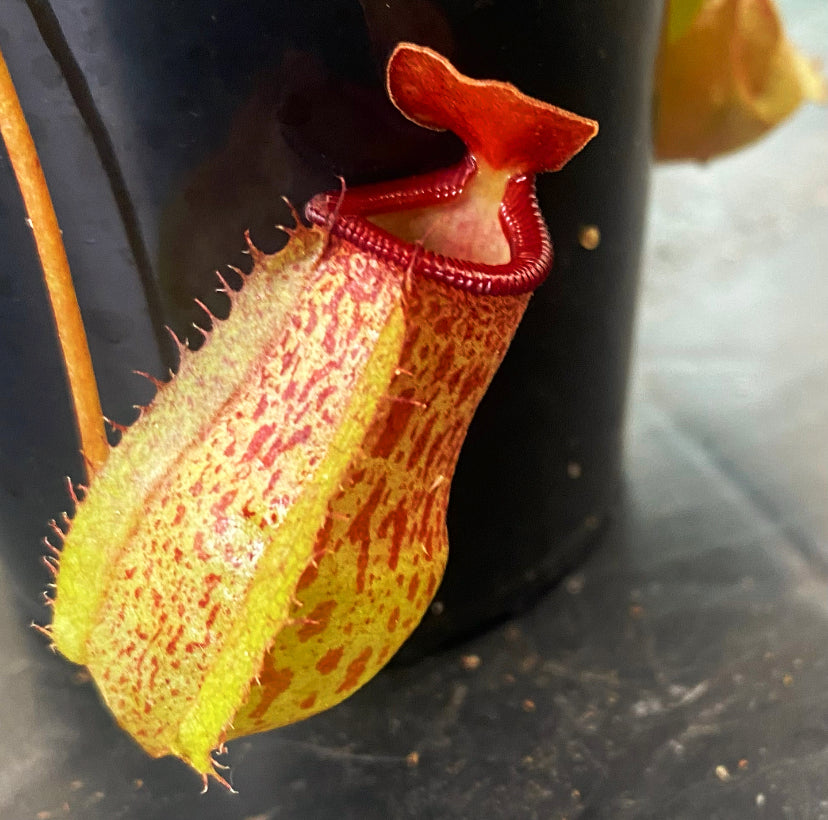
(44,225)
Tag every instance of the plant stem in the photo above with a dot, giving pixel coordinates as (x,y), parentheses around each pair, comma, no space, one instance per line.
(57,276)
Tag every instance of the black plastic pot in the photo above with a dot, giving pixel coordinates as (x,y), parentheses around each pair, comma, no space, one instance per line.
(166,129)
(540,470)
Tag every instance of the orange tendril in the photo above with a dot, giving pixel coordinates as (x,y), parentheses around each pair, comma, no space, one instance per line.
(56,274)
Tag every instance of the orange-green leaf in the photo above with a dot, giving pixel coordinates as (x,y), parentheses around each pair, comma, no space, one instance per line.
(726,75)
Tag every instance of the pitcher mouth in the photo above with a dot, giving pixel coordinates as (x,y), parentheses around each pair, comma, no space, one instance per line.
(348,215)
(489,236)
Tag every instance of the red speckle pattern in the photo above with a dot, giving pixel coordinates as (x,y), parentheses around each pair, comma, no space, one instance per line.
(317,620)
(386,529)
(308,702)
(255,457)
(329,661)
(393,619)
(355,671)
(273,682)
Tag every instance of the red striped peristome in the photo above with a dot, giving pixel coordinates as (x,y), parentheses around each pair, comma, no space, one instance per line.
(346,214)
(272,527)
